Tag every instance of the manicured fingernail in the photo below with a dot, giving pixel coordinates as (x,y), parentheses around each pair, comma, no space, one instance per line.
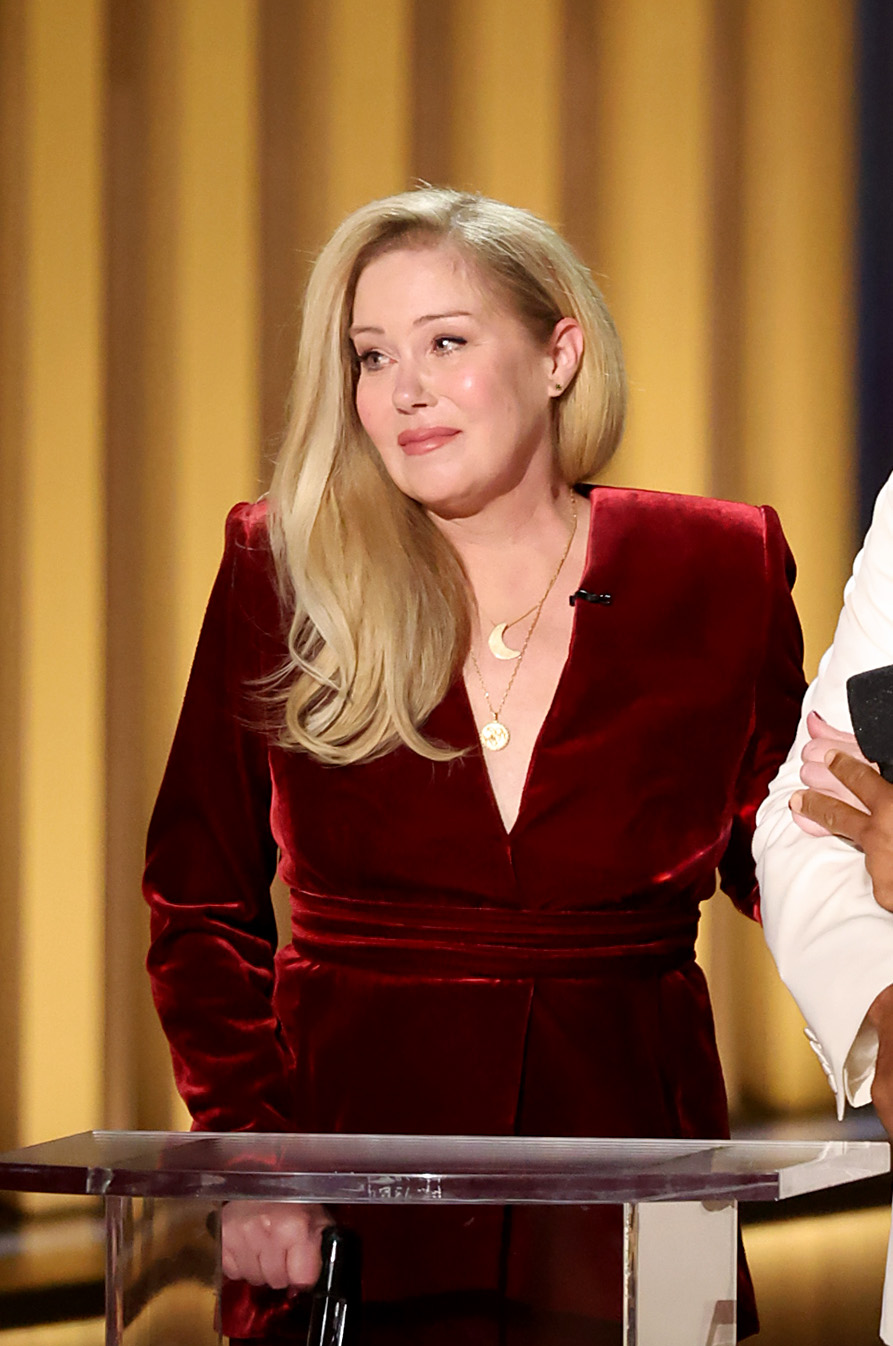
(797,802)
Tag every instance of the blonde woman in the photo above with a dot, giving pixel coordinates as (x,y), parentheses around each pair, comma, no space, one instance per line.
(497,811)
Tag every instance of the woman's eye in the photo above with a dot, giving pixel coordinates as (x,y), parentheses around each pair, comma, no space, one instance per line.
(371,359)
(444,344)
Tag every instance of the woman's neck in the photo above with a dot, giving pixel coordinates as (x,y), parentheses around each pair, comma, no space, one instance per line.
(523,520)
(510,550)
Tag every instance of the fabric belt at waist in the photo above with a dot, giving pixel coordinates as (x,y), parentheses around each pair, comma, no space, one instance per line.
(443,940)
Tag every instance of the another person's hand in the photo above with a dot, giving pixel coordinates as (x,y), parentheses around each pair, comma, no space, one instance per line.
(869,824)
(814,773)
(849,798)
(272,1242)
(880,1016)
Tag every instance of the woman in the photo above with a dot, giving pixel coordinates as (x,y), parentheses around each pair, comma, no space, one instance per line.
(497,811)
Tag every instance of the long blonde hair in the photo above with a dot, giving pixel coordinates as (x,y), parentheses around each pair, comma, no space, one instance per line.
(381,605)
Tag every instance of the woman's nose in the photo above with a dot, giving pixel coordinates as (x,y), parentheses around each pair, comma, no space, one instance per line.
(411,389)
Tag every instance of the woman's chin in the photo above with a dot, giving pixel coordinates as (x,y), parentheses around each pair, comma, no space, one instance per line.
(445,496)
(456,505)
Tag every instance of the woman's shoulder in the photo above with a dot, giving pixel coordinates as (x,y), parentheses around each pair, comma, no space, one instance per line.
(247,525)
(669,507)
(677,534)
(248,550)
(248,573)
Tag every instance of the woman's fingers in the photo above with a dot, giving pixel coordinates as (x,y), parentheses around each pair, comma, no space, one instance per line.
(819,728)
(272,1242)
(272,1259)
(817,749)
(303,1264)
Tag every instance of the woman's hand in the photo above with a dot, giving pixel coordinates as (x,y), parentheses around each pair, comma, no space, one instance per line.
(814,773)
(868,823)
(272,1242)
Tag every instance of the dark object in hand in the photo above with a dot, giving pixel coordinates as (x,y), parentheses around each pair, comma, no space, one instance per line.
(335,1308)
(870,697)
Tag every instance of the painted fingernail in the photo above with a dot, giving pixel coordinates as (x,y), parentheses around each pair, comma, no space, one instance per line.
(796,804)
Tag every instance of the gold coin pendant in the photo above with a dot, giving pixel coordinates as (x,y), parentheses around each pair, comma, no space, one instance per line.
(494,736)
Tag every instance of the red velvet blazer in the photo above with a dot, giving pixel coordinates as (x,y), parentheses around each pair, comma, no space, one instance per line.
(443,975)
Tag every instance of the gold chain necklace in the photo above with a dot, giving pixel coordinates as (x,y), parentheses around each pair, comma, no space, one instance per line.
(494,734)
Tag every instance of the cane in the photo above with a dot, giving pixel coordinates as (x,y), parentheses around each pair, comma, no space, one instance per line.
(335,1308)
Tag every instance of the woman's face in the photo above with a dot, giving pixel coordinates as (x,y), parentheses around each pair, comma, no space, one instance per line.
(454,391)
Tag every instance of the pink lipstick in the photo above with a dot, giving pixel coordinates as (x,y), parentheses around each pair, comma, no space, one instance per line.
(425,439)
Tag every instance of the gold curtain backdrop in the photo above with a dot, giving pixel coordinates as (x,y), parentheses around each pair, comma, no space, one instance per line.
(167,170)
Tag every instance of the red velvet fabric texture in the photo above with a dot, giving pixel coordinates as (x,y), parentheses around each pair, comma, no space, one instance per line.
(445,976)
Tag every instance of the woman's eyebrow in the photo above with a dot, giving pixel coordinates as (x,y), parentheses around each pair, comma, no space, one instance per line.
(439,317)
(417,322)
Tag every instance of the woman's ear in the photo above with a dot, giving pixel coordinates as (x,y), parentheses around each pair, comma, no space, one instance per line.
(565,354)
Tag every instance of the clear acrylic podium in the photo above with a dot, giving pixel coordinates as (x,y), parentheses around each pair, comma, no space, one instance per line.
(680,1201)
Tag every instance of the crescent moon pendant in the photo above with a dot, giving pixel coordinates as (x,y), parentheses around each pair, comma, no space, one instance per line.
(498,647)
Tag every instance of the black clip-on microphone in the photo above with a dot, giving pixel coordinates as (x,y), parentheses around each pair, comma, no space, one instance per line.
(870,696)
(335,1307)
(589,597)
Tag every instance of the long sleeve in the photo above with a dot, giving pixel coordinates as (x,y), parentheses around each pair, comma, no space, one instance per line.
(778,693)
(832,942)
(211,858)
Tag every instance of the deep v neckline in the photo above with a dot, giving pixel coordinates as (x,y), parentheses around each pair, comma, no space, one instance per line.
(508,832)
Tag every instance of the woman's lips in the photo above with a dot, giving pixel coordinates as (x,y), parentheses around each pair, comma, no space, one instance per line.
(424,440)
